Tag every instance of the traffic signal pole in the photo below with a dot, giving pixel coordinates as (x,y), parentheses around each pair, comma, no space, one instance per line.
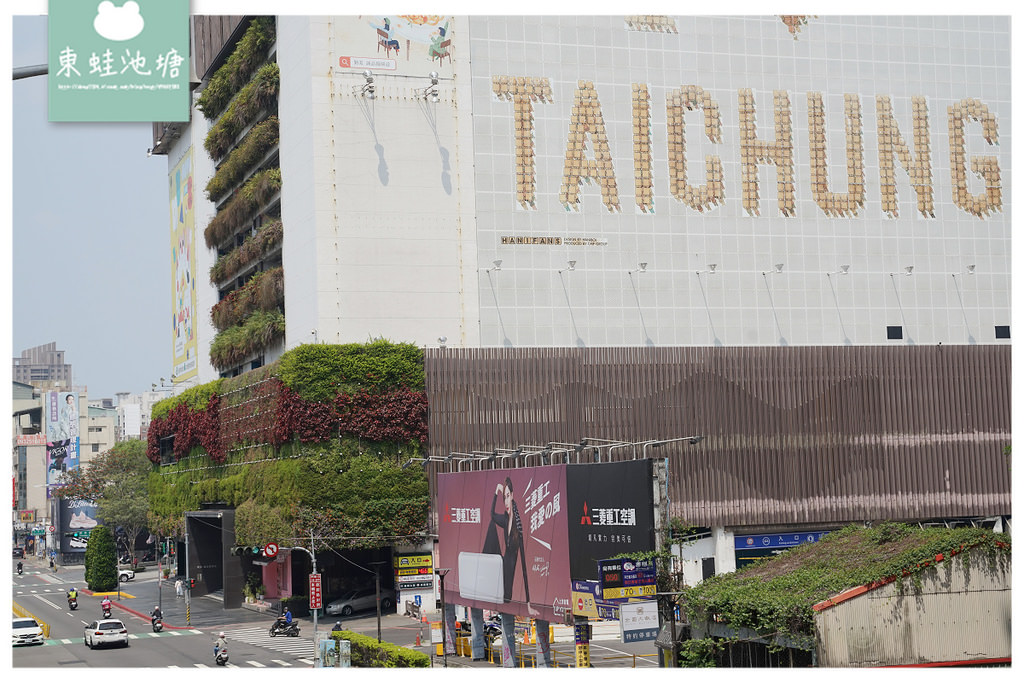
(188,585)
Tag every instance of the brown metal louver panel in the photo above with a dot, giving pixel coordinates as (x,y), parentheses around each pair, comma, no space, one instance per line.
(210,35)
(793,434)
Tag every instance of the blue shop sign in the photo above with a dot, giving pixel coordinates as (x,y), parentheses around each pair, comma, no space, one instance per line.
(783,540)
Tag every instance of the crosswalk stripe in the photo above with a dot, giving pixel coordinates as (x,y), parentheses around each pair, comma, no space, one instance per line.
(200,665)
(306,661)
(255,663)
(281,662)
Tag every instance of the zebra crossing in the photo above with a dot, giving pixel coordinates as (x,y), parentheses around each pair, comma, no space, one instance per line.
(299,647)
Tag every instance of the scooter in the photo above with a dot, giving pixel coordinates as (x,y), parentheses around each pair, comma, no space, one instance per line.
(20,571)
(158,625)
(106,612)
(72,603)
(281,628)
(222,656)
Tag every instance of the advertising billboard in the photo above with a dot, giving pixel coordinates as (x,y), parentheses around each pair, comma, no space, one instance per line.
(77,520)
(183,271)
(503,535)
(610,513)
(62,438)
(514,540)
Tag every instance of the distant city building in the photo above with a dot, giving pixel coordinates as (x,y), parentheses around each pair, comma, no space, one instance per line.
(42,367)
(134,410)
(95,431)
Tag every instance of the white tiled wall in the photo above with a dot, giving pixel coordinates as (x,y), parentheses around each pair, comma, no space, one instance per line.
(528,302)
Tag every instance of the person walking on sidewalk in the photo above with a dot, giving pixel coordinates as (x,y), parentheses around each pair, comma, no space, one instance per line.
(179,589)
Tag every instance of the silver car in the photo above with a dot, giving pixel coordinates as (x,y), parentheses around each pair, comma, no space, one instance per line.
(106,632)
(365,598)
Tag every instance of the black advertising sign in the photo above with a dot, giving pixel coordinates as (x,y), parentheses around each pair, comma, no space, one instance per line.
(610,512)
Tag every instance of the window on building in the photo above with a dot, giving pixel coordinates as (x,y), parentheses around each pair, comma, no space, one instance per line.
(894,332)
(1002,331)
(95,448)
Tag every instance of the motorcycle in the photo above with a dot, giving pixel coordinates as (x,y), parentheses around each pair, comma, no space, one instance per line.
(20,571)
(492,629)
(106,612)
(281,628)
(72,603)
(222,656)
(158,625)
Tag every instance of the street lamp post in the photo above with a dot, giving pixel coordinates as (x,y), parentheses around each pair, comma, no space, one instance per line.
(442,572)
(376,573)
(312,557)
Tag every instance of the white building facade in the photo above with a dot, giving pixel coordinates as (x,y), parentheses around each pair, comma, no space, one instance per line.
(628,181)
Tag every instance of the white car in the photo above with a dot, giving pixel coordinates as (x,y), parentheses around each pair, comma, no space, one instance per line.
(26,631)
(106,632)
(126,574)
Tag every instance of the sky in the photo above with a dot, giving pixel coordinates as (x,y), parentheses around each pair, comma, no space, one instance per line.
(89,227)
(90,238)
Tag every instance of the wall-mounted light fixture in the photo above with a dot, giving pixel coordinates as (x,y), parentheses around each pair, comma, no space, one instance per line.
(429,92)
(368,89)
(843,270)
(572,265)
(442,340)
(908,270)
(497,265)
(640,268)
(710,270)
(970,269)
(777,268)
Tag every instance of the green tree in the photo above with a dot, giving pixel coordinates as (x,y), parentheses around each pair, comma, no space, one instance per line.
(117,482)
(101,561)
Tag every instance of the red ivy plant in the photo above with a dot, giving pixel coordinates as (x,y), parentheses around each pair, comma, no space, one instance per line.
(398,415)
(190,429)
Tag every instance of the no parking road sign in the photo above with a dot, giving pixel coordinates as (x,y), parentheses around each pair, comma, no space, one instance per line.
(270,550)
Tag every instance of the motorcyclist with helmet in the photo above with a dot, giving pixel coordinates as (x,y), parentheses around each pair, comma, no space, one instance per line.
(105,605)
(220,643)
(20,566)
(156,614)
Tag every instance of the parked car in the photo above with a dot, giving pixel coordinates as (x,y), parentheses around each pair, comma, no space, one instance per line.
(26,631)
(360,599)
(126,574)
(19,552)
(106,632)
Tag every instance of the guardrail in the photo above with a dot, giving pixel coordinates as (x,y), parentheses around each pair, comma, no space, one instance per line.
(22,612)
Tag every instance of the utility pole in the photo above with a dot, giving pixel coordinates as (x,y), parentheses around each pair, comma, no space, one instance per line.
(188,583)
(442,572)
(312,555)
(376,573)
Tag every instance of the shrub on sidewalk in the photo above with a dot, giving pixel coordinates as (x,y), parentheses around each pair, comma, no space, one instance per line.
(367,652)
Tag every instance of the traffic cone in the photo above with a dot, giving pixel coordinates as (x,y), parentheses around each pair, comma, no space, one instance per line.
(417,640)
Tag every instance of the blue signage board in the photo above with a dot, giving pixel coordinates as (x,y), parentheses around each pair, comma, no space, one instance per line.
(786,540)
(753,547)
(626,578)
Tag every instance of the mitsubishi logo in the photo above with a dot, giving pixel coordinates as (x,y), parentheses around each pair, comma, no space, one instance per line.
(585,519)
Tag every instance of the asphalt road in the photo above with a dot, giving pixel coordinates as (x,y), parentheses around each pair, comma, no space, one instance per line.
(187,640)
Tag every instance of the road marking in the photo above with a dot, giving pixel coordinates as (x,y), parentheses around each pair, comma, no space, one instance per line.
(40,598)
(306,661)
(282,663)
(200,665)
(255,663)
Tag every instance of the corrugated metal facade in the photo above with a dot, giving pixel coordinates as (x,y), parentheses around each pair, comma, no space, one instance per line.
(793,434)
(959,615)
